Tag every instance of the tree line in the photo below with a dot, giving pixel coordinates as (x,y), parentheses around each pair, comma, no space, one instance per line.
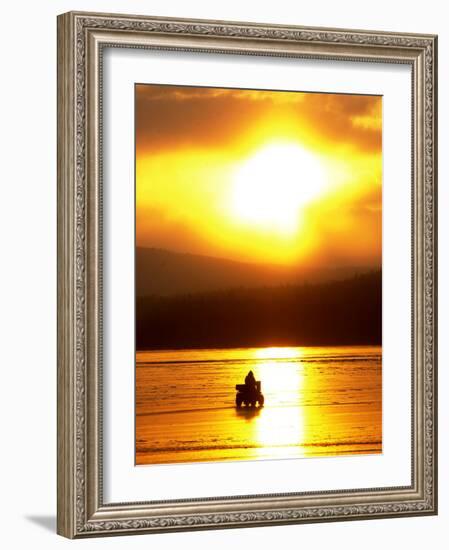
(332,313)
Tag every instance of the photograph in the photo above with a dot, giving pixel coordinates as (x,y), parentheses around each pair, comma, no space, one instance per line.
(258,274)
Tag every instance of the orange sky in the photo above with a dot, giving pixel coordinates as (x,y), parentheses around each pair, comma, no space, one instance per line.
(262,176)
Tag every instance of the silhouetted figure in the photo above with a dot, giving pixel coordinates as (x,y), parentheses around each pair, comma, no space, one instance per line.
(249,393)
(250,381)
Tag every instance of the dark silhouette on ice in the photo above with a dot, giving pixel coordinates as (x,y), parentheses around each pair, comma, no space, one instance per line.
(249,393)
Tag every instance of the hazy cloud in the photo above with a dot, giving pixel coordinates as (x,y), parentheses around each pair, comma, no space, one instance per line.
(172,117)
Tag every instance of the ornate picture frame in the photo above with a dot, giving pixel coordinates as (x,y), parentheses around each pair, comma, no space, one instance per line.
(82,40)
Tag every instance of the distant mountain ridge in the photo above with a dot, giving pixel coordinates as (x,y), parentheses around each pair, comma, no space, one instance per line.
(162,272)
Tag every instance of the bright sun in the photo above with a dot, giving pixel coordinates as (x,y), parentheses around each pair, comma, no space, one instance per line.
(270,188)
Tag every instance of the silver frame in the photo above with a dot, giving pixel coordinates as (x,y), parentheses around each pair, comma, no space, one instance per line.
(81,40)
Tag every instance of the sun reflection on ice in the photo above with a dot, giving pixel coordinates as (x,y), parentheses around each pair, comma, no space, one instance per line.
(281,423)
(278,353)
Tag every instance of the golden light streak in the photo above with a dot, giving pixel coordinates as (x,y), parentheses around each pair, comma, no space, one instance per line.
(278,353)
(280,430)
